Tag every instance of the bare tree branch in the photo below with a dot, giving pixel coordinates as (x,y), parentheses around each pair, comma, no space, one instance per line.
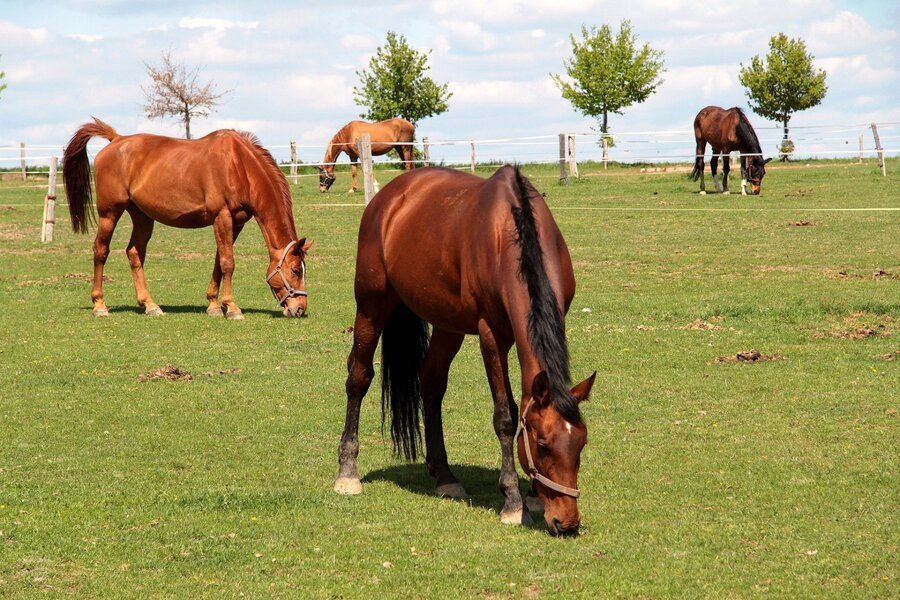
(175,91)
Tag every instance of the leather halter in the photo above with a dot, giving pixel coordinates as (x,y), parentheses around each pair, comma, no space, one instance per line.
(532,470)
(290,292)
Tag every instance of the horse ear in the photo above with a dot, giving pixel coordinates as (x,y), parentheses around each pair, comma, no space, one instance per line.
(767,160)
(540,389)
(307,245)
(300,246)
(582,391)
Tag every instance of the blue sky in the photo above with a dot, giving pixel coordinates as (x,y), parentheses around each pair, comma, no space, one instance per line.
(291,65)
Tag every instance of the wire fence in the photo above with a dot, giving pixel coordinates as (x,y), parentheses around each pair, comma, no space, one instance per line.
(629,147)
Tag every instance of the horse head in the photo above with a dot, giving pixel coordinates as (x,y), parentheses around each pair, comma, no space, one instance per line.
(287,278)
(756,170)
(325,179)
(550,452)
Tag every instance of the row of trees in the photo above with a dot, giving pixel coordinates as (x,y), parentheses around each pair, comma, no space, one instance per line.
(606,73)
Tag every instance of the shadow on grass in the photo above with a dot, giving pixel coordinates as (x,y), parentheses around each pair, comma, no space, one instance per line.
(481,484)
(179,309)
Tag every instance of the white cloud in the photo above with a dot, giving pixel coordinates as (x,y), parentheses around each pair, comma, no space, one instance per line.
(469,35)
(858,69)
(503,93)
(88,38)
(201,23)
(847,31)
(13,35)
(315,92)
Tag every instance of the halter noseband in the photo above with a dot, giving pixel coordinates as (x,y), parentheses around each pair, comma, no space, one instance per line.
(290,292)
(532,470)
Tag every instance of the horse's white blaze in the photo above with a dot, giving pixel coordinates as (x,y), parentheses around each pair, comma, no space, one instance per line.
(568,427)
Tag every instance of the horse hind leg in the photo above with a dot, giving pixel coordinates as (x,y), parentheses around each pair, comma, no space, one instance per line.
(441,352)
(713,168)
(726,167)
(108,212)
(137,253)
(367,328)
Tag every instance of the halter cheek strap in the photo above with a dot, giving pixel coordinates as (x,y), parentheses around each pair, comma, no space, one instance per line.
(532,470)
(290,291)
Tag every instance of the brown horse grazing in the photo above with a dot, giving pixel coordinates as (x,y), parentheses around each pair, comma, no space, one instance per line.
(385,135)
(728,130)
(496,266)
(222,180)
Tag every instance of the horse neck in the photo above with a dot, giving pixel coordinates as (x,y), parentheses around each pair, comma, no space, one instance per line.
(332,152)
(274,217)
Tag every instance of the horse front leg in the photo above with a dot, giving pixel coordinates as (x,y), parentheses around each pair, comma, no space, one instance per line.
(495,354)
(224,231)
(212,291)
(137,253)
(441,352)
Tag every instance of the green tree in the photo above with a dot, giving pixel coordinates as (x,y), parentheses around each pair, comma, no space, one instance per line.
(785,83)
(395,84)
(609,73)
(2,75)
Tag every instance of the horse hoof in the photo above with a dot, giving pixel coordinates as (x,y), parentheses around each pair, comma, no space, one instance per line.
(154,311)
(516,517)
(100,312)
(235,316)
(726,193)
(215,312)
(348,486)
(534,504)
(451,490)
(702,192)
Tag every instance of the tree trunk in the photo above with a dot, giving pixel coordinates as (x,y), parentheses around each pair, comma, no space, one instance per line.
(604,127)
(187,121)
(787,119)
(786,140)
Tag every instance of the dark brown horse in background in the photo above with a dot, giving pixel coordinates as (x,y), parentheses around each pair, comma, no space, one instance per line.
(222,179)
(728,130)
(469,256)
(393,134)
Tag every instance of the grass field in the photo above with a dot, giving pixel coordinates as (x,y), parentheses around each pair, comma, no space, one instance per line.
(702,477)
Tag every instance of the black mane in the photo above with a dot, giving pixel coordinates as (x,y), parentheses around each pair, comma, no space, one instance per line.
(746,134)
(546,330)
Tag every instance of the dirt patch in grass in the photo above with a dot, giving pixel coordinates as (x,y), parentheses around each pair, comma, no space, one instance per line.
(701,325)
(191,255)
(876,275)
(747,356)
(857,326)
(10,233)
(889,356)
(801,193)
(80,277)
(801,224)
(222,372)
(169,372)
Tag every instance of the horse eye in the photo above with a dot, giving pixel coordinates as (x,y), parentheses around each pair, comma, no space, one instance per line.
(543,448)
(296,271)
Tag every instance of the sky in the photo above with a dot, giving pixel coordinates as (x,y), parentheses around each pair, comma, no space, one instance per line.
(291,66)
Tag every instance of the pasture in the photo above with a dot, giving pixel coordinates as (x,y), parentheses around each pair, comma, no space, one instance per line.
(704,475)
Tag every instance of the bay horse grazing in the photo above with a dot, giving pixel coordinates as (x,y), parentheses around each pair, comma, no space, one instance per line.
(222,179)
(393,134)
(728,130)
(469,256)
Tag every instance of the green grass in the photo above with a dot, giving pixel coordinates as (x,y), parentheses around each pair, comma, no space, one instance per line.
(700,479)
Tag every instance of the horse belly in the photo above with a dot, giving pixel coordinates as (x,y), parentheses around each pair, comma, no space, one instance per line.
(176,214)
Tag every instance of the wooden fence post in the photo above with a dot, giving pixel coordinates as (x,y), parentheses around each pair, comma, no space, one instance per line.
(879,149)
(425,156)
(294,163)
(22,154)
(364,144)
(49,204)
(860,148)
(573,166)
(563,176)
(472,161)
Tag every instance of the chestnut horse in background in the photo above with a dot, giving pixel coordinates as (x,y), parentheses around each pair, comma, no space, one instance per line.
(385,135)
(728,130)
(470,256)
(222,179)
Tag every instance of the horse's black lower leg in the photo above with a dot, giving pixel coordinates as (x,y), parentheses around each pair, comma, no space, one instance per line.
(713,168)
(495,354)
(726,167)
(441,352)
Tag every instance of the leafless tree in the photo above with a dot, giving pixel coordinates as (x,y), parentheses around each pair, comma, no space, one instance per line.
(175,91)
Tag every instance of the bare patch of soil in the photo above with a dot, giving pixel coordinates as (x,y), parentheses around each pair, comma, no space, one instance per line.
(222,372)
(857,327)
(876,275)
(701,325)
(799,193)
(748,356)
(168,372)
(10,233)
(85,277)
(801,223)
(191,255)
(889,356)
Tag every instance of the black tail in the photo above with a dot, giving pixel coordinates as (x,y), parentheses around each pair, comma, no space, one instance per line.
(404,344)
(698,168)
